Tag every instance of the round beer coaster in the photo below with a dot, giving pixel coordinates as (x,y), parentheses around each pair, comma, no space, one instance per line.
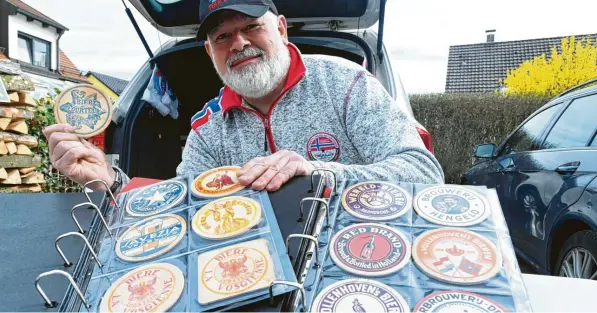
(451,206)
(376,201)
(370,249)
(234,270)
(150,288)
(84,107)
(226,217)
(151,237)
(359,295)
(457,301)
(456,256)
(156,198)
(217,182)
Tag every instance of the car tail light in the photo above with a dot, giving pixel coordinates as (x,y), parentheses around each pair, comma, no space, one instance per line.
(426,137)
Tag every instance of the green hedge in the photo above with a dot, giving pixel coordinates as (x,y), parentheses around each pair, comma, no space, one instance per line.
(458,122)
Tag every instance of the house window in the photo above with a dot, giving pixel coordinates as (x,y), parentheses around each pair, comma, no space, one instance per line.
(34,50)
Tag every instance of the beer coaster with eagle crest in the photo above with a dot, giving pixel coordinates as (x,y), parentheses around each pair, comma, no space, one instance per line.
(451,206)
(456,256)
(376,201)
(226,217)
(156,198)
(151,237)
(154,287)
(217,182)
(84,107)
(370,249)
(457,301)
(359,295)
(234,270)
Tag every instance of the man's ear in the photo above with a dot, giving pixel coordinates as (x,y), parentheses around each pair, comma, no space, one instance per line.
(283,27)
(208,48)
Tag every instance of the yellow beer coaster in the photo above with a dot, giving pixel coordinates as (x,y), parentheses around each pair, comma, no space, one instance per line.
(234,270)
(226,217)
(150,288)
(217,182)
(84,107)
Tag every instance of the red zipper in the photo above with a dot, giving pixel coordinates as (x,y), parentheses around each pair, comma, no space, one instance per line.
(269,137)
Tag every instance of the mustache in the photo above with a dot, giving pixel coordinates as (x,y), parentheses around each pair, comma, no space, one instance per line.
(248,52)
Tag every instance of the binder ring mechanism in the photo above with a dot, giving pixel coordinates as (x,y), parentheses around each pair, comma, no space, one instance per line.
(86,204)
(335,190)
(107,188)
(288,283)
(67,263)
(313,239)
(325,205)
(52,304)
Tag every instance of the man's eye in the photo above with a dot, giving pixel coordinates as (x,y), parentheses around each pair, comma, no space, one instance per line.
(222,37)
(251,27)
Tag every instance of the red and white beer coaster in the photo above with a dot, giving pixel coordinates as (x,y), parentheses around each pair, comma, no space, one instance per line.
(217,182)
(226,217)
(150,288)
(456,256)
(457,301)
(234,270)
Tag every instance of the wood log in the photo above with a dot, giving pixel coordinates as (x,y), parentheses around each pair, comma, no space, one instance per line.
(26,170)
(33,178)
(12,161)
(26,99)
(14,97)
(29,141)
(18,126)
(14,178)
(4,121)
(3,174)
(12,112)
(12,148)
(3,148)
(21,188)
(23,150)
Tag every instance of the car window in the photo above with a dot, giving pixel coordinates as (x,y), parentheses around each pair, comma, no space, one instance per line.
(527,136)
(576,125)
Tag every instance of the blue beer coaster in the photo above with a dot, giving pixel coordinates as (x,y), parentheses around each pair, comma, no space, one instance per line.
(376,201)
(451,205)
(359,295)
(151,237)
(156,198)
(370,249)
(457,301)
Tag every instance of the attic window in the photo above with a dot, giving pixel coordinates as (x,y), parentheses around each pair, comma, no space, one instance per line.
(34,50)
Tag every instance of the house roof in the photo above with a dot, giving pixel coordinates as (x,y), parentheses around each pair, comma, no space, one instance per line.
(27,10)
(69,70)
(478,68)
(117,85)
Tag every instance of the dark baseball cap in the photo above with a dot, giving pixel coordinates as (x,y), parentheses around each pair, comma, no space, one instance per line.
(208,8)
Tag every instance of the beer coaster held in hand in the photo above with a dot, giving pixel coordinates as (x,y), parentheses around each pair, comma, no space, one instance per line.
(84,107)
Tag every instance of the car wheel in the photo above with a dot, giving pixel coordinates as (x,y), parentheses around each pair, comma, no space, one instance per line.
(578,256)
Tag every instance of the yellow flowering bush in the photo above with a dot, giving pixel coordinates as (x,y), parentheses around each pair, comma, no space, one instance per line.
(542,76)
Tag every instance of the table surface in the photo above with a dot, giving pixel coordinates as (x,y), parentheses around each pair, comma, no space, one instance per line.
(560,294)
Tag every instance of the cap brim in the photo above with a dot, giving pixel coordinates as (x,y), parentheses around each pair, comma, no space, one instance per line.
(253,10)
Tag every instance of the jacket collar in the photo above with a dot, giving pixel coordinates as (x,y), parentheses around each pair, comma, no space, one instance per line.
(231,99)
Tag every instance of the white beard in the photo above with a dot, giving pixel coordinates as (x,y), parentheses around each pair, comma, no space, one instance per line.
(257,80)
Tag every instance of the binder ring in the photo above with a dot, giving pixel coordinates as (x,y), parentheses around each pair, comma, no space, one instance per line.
(84,204)
(51,304)
(325,204)
(335,190)
(66,262)
(107,188)
(288,283)
(313,239)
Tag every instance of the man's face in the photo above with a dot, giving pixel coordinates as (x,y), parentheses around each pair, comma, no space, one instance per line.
(249,54)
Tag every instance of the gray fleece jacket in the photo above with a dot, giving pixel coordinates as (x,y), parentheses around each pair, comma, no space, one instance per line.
(332,112)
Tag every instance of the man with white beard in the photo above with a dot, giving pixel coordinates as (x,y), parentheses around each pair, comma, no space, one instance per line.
(280,114)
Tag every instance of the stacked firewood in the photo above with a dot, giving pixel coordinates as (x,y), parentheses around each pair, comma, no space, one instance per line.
(17,162)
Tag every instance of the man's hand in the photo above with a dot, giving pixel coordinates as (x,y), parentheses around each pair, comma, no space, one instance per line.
(76,158)
(273,171)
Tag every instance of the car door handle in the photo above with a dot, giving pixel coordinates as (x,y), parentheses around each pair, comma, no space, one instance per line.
(568,169)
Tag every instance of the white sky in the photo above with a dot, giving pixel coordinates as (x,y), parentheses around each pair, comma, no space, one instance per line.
(418,32)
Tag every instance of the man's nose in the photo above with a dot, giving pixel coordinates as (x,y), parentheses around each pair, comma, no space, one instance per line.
(239,42)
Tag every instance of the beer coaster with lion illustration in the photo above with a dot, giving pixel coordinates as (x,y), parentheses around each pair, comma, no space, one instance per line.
(226,217)
(217,182)
(154,287)
(234,270)
(84,107)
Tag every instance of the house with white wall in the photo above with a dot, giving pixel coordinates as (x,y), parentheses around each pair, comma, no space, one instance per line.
(32,39)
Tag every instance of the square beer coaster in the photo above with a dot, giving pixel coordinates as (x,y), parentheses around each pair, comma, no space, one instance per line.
(234,270)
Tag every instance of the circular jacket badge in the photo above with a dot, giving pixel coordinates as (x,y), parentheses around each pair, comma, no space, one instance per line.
(151,237)
(234,270)
(217,182)
(150,288)
(156,198)
(359,295)
(451,206)
(457,301)
(323,147)
(226,217)
(376,201)
(84,107)
(370,249)
(456,256)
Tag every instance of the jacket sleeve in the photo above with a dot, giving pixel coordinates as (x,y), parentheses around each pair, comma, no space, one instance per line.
(197,157)
(385,137)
